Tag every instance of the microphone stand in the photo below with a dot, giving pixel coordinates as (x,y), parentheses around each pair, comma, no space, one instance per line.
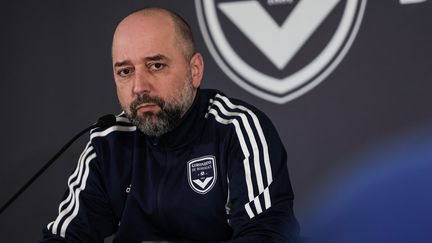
(102,122)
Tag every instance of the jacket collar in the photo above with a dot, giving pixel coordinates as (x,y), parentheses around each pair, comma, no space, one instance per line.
(188,128)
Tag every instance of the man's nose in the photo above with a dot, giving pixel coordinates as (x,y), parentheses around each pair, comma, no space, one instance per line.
(141,83)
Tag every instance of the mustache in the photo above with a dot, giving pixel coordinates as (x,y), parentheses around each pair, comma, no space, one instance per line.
(146,98)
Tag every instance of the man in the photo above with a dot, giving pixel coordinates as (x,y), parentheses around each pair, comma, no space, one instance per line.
(181,164)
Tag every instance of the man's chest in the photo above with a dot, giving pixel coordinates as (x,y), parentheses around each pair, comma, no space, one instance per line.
(178,191)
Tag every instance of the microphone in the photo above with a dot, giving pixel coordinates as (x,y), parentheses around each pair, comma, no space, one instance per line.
(103,122)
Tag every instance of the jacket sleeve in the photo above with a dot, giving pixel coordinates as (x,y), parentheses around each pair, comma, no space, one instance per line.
(85,213)
(260,193)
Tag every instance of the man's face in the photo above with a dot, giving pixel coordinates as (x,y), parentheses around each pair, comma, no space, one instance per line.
(155,83)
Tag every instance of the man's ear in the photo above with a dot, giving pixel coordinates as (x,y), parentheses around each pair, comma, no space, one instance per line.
(197,69)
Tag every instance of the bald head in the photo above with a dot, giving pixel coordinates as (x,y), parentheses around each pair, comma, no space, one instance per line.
(164,19)
(156,70)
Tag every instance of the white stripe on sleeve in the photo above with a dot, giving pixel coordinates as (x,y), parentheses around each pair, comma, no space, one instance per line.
(77,193)
(79,178)
(70,200)
(255,150)
(263,142)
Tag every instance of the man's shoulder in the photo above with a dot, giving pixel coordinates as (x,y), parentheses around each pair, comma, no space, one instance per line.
(121,127)
(228,107)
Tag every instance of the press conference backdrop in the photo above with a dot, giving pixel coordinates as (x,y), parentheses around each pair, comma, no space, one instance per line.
(340,79)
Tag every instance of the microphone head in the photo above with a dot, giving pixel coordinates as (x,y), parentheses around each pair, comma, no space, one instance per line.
(106,121)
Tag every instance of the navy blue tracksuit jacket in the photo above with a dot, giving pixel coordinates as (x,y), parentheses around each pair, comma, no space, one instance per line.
(220,175)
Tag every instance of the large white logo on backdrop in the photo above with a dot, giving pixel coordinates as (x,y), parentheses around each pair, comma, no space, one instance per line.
(278,43)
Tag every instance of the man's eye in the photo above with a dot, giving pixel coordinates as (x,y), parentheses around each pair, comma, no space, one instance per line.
(124,72)
(157,66)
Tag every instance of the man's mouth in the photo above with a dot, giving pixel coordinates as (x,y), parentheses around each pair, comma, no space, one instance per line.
(147,107)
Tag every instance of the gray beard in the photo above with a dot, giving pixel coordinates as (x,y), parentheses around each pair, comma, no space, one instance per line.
(169,116)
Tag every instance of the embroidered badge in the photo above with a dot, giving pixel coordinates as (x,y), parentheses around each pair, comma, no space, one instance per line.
(202,174)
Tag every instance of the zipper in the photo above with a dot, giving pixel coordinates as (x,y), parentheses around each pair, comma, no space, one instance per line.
(155,141)
(161,187)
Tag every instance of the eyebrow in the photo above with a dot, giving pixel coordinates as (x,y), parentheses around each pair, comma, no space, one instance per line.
(122,63)
(157,57)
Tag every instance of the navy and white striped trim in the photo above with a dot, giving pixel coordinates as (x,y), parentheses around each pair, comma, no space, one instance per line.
(243,119)
(69,208)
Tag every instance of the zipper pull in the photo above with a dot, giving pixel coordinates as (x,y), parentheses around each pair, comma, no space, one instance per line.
(155,141)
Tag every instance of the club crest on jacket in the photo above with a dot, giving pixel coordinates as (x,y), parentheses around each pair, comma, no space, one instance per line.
(202,174)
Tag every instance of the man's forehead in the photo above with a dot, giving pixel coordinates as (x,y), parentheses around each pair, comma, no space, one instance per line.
(139,22)
(146,33)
